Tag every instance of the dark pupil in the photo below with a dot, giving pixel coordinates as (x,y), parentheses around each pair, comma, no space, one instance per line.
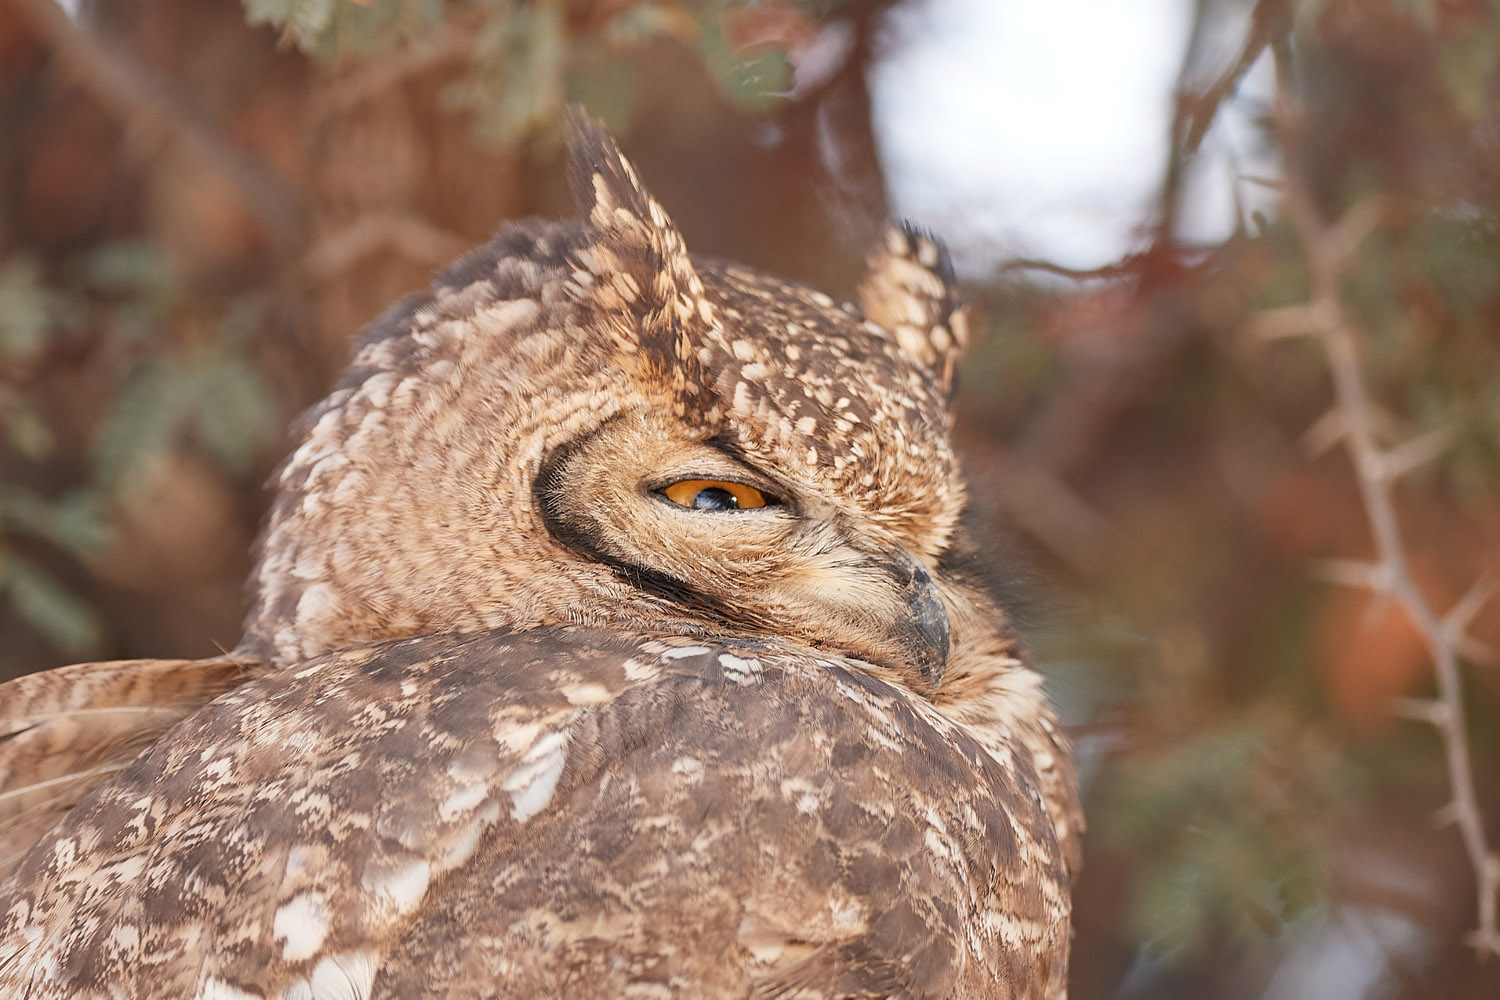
(713,498)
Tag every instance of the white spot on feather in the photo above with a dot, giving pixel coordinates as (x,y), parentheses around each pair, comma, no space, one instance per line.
(531,785)
(301,858)
(125,871)
(586,694)
(635,670)
(124,942)
(848,915)
(740,670)
(217,770)
(682,651)
(216,989)
(504,316)
(65,852)
(303,924)
(403,885)
(461,847)
(347,976)
(462,800)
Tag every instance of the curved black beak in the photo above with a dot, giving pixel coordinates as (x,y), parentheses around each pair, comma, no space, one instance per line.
(924,634)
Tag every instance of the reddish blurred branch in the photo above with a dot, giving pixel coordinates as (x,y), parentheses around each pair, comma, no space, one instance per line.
(408,235)
(1355,420)
(150,107)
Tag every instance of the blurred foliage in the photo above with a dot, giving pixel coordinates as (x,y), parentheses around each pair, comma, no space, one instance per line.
(1223,828)
(531,56)
(122,301)
(1246,783)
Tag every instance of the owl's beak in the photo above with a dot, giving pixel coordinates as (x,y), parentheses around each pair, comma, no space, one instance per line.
(924,633)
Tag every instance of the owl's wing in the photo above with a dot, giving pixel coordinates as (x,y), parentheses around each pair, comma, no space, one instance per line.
(64,732)
(561,812)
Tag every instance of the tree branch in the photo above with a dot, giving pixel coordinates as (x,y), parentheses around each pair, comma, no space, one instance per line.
(128,90)
(1329,250)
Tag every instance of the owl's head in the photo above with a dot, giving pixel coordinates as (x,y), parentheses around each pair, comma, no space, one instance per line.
(581,422)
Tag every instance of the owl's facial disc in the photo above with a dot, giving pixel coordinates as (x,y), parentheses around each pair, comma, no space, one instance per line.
(740,549)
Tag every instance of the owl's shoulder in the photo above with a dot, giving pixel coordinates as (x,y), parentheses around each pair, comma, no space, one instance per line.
(394,807)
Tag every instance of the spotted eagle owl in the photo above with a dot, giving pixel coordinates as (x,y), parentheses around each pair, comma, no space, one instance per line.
(613,634)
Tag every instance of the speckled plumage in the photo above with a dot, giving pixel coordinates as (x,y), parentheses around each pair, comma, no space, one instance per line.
(507,722)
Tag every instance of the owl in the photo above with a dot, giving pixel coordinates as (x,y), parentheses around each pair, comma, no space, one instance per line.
(613,633)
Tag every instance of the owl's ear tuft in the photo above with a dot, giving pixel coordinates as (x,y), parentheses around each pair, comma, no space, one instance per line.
(636,260)
(910,289)
(603,182)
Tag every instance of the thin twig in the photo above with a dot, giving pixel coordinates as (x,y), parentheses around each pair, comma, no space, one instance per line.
(1329,250)
(1198,107)
(144,103)
(1122,269)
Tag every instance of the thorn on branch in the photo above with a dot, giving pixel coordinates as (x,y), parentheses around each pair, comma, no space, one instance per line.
(1376,576)
(1429,710)
(1339,243)
(1445,817)
(1307,320)
(1459,617)
(1486,944)
(1325,432)
(1413,454)
(1477,651)
(1270,183)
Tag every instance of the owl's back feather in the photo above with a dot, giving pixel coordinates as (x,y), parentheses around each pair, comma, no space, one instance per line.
(66,731)
(563,812)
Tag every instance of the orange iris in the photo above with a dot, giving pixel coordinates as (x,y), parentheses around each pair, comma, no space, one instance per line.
(693,493)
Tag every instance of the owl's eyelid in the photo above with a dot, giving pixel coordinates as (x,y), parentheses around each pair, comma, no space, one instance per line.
(776,497)
(728,469)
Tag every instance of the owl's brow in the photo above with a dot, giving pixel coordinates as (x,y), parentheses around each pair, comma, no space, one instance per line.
(730,448)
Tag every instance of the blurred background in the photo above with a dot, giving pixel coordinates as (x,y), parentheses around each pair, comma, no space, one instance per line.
(1150,202)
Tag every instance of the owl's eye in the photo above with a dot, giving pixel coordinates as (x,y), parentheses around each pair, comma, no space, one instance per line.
(714,494)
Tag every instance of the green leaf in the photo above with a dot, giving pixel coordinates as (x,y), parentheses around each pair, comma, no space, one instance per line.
(752,81)
(30,312)
(74,522)
(517,79)
(331,29)
(308,18)
(1467,68)
(304,20)
(273,12)
(25,430)
(131,267)
(144,420)
(234,412)
(48,607)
